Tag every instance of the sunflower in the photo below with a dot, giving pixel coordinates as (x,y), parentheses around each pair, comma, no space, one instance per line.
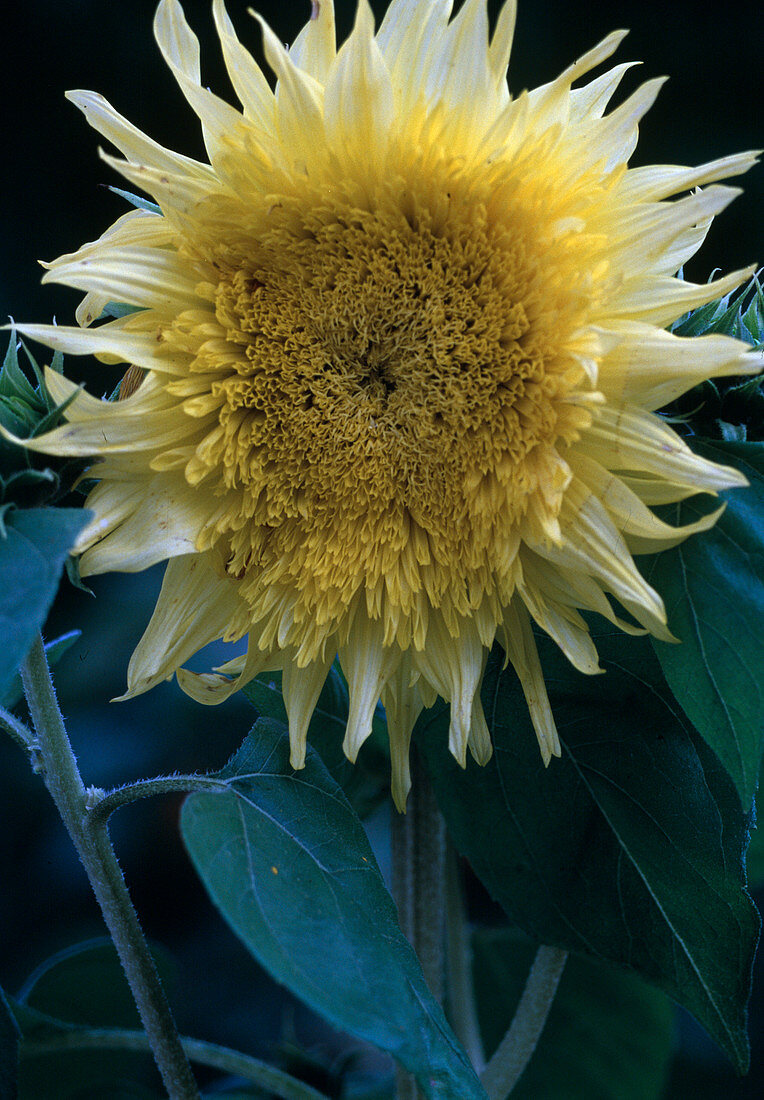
(401,343)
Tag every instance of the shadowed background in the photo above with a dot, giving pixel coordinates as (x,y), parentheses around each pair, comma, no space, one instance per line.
(55,196)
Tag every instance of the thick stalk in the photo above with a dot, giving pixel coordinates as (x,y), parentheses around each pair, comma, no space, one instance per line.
(516,1048)
(419,860)
(63,780)
(462,1013)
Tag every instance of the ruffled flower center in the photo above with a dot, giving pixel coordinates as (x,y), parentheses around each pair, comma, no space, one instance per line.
(394,391)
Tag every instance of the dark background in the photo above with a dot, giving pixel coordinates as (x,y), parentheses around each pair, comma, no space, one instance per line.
(54,197)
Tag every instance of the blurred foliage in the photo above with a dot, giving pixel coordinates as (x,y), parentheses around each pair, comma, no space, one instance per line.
(731,409)
(28,479)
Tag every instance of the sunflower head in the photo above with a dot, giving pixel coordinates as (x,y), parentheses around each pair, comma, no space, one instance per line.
(403,341)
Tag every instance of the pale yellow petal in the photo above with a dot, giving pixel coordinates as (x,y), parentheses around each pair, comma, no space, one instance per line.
(564,625)
(651,367)
(211,689)
(100,427)
(454,667)
(403,704)
(132,142)
(520,647)
(367,666)
(177,194)
(194,608)
(299,100)
(644,532)
(407,35)
(479,740)
(660,299)
(501,43)
(358,100)
(110,339)
(315,47)
(614,138)
(143,277)
(591,100)
(593,545)
(180,47)
(133,530)
(301,688)
(659,237)
(248,79)
(658,181)
(458,77)
(550,103)
(626,439)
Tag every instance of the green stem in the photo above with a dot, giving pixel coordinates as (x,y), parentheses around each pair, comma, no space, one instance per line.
(91,839)
(228,1061)
(103,804)
(516,1048)
(419,860)
(462,1013)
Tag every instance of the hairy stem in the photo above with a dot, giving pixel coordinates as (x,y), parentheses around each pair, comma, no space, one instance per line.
(23,737)
(91,839)
(104,803)
(419,860)
(516,1048)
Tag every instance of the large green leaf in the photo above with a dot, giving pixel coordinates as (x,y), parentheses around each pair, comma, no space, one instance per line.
(286,860)
(629,848)
(713,587)
(33,549)
(608,1035)
(9,1050)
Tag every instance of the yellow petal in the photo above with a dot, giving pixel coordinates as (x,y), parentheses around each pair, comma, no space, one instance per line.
(194,608)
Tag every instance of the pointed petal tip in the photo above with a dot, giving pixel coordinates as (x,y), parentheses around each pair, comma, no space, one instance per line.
(297,756)
(132,692)
(400,798)
(350,749)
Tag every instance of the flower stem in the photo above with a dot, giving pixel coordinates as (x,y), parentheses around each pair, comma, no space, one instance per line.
(419,860)
(462,1012)
(91,839)
(516,1048)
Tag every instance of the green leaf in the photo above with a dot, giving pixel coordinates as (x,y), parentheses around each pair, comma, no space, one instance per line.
(83,986)
(629,849)
(32,554)
(736,314)
(365,783)
(608,1034)
(713,589)
(54,651)
(286,860)
(9,1050)
(13,382)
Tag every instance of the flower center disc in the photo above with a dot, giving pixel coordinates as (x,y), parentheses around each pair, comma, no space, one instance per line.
(391,391)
